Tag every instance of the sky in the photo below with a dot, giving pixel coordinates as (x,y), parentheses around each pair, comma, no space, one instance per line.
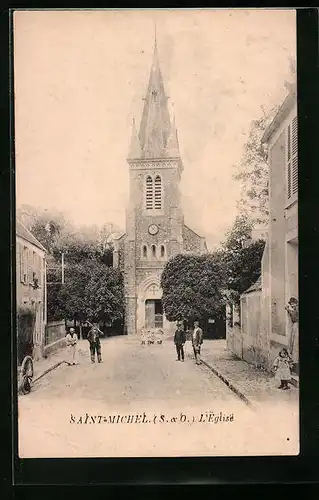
(80,78)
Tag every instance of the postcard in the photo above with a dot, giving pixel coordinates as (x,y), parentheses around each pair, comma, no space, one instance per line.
(156,157)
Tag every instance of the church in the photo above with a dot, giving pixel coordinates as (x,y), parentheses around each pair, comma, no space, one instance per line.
(155,228)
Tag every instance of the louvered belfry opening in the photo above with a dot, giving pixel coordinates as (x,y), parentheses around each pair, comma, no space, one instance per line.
(292,158)
(149,193)
(158,192)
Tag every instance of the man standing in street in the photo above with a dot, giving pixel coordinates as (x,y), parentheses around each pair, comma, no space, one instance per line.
(197,341)
(179,341)
(95,344)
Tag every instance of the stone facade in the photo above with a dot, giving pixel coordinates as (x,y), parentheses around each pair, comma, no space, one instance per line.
(155,229)
(264,309)
(280,259)
(30,290)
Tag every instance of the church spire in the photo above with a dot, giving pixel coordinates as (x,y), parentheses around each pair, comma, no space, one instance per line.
(135,147)
(172,147)
(155,123)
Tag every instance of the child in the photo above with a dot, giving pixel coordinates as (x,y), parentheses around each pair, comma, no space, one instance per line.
(282,365)
(143,336)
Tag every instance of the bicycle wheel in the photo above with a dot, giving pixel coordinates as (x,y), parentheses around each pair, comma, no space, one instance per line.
(27,367)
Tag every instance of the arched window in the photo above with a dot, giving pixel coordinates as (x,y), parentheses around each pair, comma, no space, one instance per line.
(149,192)
(158,192)
(144,251)
(162,251)
(153,251)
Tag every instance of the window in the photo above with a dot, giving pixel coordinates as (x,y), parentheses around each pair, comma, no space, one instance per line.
(24,264)
(144,252)
(153,251)
(162,251)
(21,263)
(292,159)
(153,193)
(149,192)
(158,192)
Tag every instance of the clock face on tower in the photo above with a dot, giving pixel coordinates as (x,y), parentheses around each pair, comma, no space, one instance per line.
(153,229)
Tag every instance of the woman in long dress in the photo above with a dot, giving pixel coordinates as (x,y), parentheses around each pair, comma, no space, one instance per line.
(72,347)
(292,309)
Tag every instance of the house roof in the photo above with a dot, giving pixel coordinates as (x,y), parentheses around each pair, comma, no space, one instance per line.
(194,232)
(119,236)
(255,287)
(24,233)
(281,114)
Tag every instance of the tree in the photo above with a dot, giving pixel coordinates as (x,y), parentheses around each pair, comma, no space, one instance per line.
(241,262)
(104,295)
(72,297)
(192,287)
(252,171)
(88,254)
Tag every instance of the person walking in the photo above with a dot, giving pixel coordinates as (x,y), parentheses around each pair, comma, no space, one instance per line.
(72,347)
(179,341)
(95,343)
(197,340)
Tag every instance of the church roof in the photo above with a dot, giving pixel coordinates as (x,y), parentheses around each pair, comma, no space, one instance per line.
(157,137)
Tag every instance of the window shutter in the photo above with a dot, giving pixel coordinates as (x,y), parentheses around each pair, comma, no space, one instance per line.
(25,264)
(294,151)
(292,158)
(288,153)
(30,261)
(149,192)
(158,192)
(21,263)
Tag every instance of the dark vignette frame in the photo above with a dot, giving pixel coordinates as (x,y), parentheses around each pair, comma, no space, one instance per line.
(170,471)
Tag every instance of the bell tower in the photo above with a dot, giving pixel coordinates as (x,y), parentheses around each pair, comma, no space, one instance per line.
(154,218)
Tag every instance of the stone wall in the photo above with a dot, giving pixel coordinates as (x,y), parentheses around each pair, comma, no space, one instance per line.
(54,331)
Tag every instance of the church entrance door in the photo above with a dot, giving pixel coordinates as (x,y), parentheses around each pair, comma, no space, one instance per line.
(153,313)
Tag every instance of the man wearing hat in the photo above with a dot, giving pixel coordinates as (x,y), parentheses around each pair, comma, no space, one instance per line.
(179,341)
(95,343)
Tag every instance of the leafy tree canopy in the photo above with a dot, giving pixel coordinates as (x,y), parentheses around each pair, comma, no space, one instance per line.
(92,287)
(192,287)
(252,169)
(104,295)
(241,258)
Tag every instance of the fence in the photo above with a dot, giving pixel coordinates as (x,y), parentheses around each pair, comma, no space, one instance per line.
(54,331)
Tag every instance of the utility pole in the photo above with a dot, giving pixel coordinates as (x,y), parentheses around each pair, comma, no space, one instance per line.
(62,268)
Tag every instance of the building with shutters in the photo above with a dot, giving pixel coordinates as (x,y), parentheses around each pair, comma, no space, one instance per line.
(155,228)
(280,259)
(30,289)
(262,326)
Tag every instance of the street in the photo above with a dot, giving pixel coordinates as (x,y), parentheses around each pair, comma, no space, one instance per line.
(141,402)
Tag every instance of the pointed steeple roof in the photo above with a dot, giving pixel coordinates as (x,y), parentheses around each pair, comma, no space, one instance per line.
(135,147)
(172,146)
(155,123)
